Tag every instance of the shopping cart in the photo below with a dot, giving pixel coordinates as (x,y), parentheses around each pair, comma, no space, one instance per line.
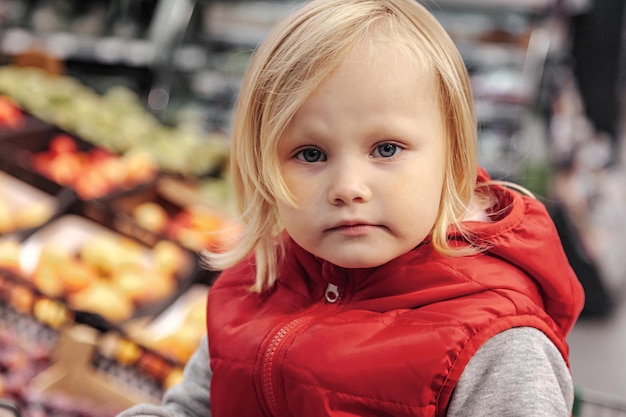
(9,409)
(594,404)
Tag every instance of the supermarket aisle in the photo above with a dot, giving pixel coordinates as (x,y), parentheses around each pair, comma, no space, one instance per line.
(598,364)
(597,345)
(597,342)
(597,354)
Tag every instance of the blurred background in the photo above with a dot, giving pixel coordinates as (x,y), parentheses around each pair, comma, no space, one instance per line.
(114,124)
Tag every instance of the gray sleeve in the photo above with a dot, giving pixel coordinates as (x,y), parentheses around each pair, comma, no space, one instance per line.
(517,373)
(190,398)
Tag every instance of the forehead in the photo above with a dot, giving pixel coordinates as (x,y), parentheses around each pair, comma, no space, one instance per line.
(385,57)
(396,45)
(382,74)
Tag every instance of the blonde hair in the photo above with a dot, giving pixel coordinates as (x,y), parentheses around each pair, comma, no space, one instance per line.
(295,58)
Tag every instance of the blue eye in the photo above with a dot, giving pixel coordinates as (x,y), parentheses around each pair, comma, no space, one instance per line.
(386,150)
(311,155)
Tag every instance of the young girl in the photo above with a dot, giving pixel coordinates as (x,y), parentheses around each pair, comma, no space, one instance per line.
(380,272)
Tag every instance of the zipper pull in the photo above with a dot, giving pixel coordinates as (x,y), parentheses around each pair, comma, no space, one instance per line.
(332,293)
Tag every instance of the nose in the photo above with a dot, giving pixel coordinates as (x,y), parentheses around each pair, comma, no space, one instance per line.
(349,185)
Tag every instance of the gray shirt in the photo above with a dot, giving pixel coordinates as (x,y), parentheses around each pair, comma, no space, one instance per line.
(517,373)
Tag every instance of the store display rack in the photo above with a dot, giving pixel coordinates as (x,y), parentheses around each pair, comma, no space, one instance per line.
(65,349)
(105,42)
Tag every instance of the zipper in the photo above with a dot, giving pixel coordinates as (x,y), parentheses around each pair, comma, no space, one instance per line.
(331,296)
(331,293)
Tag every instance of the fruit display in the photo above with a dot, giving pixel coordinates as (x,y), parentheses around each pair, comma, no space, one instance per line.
(94,172)
(97,270)
(10,252)
(23,206)
(116,120)
(196,227)
(14,120)
(11,115)
(171,209)
(177,331)
(142,369)
(52,366)
(37,316)
(104,213)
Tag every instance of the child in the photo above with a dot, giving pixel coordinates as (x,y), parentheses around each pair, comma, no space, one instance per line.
(380,272)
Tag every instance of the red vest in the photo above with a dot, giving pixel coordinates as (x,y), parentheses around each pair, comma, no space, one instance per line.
(398,337)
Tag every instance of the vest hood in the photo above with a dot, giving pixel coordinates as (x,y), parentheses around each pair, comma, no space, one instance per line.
(526,237)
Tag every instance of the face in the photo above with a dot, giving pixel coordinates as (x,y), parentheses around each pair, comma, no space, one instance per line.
(364,158)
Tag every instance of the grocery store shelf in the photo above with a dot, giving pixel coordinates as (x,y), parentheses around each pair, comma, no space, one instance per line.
(526,6)
(67,46)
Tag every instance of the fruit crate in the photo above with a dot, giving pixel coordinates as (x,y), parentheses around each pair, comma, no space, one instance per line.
(100,270)
(168,209)
(176,332)
(14,121)
(92,172)
(28,201)
(52,364)
(118,211)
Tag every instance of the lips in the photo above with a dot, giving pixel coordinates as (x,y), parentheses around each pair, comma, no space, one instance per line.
(352,225)
(349,223)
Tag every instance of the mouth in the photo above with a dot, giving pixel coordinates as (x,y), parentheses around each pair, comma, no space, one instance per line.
(353,228)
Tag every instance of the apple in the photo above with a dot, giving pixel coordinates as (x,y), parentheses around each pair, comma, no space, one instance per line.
(62,143)
(10,113)
(151,216)
(10,250)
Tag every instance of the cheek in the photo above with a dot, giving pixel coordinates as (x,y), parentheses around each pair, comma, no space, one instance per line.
(296,181)
(291,218)
(419,201)
(284,211)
